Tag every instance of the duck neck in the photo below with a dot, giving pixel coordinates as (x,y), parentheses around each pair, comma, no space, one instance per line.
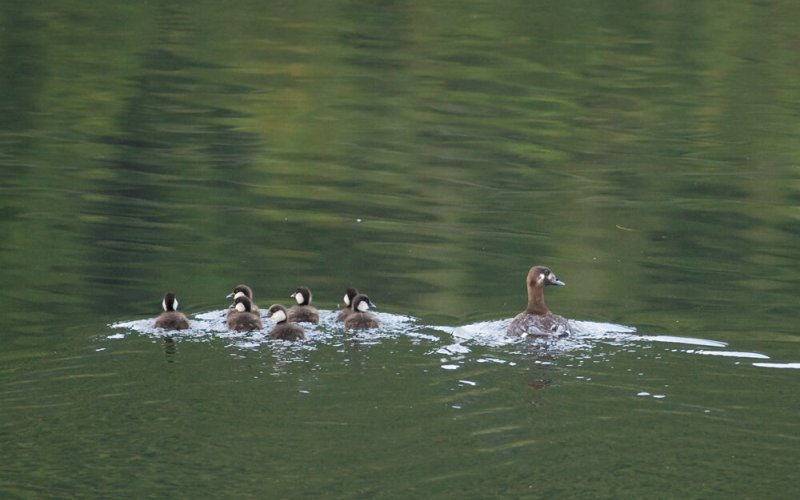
(536,303)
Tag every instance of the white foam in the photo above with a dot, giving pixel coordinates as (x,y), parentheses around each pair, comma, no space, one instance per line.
(489,333)
(454,345)
(794,366)
(210,315)
(730,354)
(598,329)
(452,349)
(680,340)
(491,360)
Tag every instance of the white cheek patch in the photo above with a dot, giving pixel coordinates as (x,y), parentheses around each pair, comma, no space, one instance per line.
(279,316)
(164,304)
(298,297)
(238,294)
(175,304)
(240,307)
(346,300)
(363,306)
(542,277)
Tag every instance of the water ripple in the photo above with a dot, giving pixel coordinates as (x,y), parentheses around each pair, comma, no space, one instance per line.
(453,344)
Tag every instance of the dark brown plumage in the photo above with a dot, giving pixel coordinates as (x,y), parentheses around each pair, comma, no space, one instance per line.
(283,329)
(537,320)
(246,291)
(349,295)
(171,319)
(360,318)
(242,318)
(303,311)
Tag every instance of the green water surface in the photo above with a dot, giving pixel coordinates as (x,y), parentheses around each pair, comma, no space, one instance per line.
(428,153)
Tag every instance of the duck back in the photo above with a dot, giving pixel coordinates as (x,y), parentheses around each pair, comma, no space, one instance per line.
(307,314)
(244,322)
(526,324)
(172,320)
(360,321)
(287,331)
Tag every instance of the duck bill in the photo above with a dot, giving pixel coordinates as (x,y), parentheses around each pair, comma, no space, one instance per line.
(558,282)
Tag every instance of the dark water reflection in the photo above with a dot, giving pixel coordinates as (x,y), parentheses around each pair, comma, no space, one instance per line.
(429,154)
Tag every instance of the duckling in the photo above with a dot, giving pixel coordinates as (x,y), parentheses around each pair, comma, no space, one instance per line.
(246,291)
(360,318)
(283,329)
(171,319)
(303,311)
(537,320)
(242,318)
(349,295)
